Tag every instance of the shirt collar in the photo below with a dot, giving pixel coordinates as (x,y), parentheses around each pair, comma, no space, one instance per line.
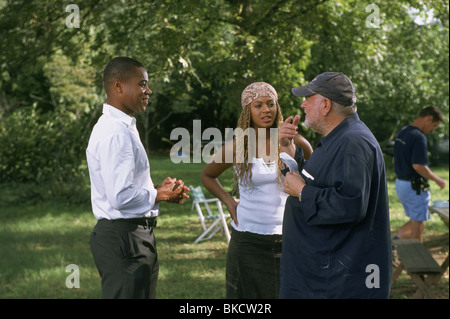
(118,114)
(328,140)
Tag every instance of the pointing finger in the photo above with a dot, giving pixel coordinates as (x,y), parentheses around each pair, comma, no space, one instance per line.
(296,120)
(288,120)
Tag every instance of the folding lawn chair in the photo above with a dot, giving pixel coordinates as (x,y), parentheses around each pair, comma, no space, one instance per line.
(208,232)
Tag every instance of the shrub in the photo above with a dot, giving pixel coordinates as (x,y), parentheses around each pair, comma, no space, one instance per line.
(43,148)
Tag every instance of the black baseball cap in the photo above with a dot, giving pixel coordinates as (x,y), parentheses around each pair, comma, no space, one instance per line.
(334,85)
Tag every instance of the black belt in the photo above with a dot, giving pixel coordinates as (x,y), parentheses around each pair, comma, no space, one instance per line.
(147,222)
(418,184)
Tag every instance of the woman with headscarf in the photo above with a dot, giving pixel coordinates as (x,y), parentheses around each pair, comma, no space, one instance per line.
(253,258)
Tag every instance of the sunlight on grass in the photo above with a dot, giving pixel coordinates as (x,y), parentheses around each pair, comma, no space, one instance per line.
(39,240)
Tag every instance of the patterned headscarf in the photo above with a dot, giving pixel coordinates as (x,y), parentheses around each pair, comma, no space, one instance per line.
(257,90)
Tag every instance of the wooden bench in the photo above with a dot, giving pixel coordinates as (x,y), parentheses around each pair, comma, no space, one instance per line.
(419,264)
(442,212)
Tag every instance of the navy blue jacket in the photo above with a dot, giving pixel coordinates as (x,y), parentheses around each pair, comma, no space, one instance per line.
(336,240)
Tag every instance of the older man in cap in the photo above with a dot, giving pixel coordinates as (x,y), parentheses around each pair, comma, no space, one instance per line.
(336,232)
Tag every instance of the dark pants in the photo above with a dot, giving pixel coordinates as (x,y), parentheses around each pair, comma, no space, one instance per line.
(253,266)
(126,259)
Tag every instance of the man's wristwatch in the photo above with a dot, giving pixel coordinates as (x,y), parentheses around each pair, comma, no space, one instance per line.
(300,195)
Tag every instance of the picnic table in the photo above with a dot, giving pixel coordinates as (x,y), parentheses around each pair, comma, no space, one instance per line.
(417,260)
(420,265)
(442,212)
(440,208)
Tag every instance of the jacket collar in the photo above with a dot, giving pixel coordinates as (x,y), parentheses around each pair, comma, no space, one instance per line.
(328,140)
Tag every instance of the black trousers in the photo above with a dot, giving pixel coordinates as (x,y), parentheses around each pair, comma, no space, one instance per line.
(126,258)
(253,266)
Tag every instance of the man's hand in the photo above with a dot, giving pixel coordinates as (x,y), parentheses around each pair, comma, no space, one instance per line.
(426,172)
(441,182)
(180,189)
(293,183)
(172,190)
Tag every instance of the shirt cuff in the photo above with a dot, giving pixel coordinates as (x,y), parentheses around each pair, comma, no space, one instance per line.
(308,202)
(152,198)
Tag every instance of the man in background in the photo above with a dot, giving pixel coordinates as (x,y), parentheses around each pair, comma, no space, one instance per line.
(413,173)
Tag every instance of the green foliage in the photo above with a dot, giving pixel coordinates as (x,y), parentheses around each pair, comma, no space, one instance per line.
(201,54)
(44,149)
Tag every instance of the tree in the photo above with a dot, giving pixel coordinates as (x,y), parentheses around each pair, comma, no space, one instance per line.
(200,55)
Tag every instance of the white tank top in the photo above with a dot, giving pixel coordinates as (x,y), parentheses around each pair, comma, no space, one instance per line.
(261,208)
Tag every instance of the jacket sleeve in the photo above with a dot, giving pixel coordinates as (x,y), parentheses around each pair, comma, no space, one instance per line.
(346,200)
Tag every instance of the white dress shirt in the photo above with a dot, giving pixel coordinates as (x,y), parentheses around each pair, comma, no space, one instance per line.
(119,170)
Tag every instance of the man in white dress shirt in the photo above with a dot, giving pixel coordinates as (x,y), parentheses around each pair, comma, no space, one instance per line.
(124,199)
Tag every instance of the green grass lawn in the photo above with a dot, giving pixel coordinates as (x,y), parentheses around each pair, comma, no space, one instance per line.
(39,239)
(435,235)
